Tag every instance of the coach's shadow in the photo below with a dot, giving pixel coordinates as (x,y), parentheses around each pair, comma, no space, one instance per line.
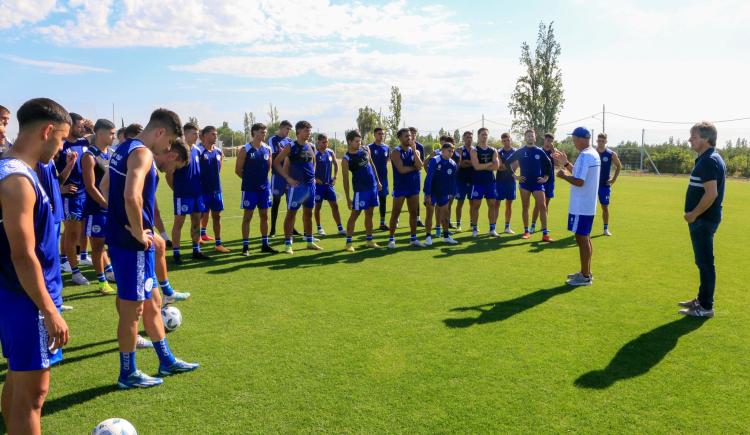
(499,311)
(564,243)
(640,355)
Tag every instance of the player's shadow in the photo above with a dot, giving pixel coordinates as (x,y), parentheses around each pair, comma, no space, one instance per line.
(91,294)
(472,246)
(77,398)
(499,311)
(641,354)
(564,243)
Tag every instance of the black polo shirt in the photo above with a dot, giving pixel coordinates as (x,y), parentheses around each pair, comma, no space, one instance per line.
(709,166)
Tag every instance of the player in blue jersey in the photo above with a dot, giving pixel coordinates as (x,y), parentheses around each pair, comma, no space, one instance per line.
(5,144)
(440,187)
(549,187)
(188,197)
(253,164)
(465,172)
(296,163)
(415,136)
(535,171)
(380,154)
(366,186)
(131,182)
(326,171)
(485,162)
(430,208)
(211,161)
(608,158)
(31,328)
(407,164)
(94,165)
(279,186)
(506,182)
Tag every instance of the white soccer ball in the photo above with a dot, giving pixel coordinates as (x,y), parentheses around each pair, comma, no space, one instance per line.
(172,317)
(114,426)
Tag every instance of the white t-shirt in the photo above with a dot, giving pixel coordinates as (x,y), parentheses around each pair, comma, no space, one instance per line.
(583,199)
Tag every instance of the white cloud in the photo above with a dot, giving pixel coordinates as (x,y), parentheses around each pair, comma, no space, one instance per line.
(14,13)
(53,67)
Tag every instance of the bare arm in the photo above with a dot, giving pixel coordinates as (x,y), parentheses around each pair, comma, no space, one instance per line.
(139,163)
(399,165)
(345,174)
(618,168)
(710,193)
(418,164)
(496,162)
(70,161)
(281,164)
(240,163)
(335,168)
(377,178)
(89,180)
(104,186)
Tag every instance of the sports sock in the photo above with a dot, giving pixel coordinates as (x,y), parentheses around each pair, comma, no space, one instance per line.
(606,227)
(320,227)
(166,287)
(63,259)
(101,277)
(264,240)
(308,238)
(246,243)
(368,237)
(218,242)
(348,240)
(474,227)
(438,231)
(391,239)
(196,248)
(203,232)
(340,227)
(492,227)
(458,223)
(413,238)
(507,225)
(288,241)
(127,364)
(162,351)
(75,270)
(544,231)
(176,252)
(525,229)
(84,255)
(108,268)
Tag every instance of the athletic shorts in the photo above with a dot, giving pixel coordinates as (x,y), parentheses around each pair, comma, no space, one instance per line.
(73,207)
(549,189)
(463,190)
(134,272)
(481,191)
(23,335)
(324,192)
(95,224)
(405,193)
(188,205)
(278,185)
(532,186)
(213,201)
(365,200)
(440,200)
(301,196)
(580,224)
(259,198)
(506,190)
(604,193)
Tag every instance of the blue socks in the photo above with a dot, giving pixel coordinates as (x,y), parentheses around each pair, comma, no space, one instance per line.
(75,270)
(438,231)
(340,227)
(606,227)
(196,247)
(368,237)
(108,268)
(264,240)
(288,241)
(507,225)
(544,231)
(63,259)
(218,242)
(203,232)
(391,239)
(176,252)
(166,287)
(308,238)
(245,244)
(162,350)
(413,238)
(101,277)
(127,364)
(84,255)
(348,239)
(492,227)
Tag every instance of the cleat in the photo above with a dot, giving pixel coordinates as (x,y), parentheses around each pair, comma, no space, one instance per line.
(698,311)
(138,379)
(313,247)
(420,224)
(509,231)
(579,280)
(65,267)
(175,297)
(342,233)
(106,289)
(79,279)
(222,249)
(451,226)
(458,229)
(391,245)
(315,240)
(272,234)
(177,367)
(474,233)
(384,227)
(533,229)
(526,235)
(689,304)
(607,233)
(245,252)
(86,262)
(110,276)
(373,244)
(321,232)
(417,244)
(288,250)
(142,343)
(450,240)
(493,233)
(428,241)
(64,308)
(207,238)
(177,260)
(579,275)
(547,238)
(349,247)
(268,249)
(200,256)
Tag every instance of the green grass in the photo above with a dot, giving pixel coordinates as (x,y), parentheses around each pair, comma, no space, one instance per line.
(481,337)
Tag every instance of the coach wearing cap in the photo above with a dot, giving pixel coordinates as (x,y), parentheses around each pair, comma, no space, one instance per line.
(584,181)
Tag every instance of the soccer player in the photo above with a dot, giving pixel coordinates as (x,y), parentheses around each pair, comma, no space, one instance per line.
(253,164)
(188,197)
(94,165)
(535,170)
(608,158)
(430,208)
(485,162)
(415,136)
(326,171)
(129,235)
(407,164)
(506,182)
(296,163)
(366,185)
(549,187)
(465,173)
(584,182)
(278,142)
(5,144)
(211,161)
(380,154)
(440,187)
(32,332)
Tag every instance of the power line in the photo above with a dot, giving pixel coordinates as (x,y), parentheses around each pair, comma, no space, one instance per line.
(675,122)
(578,120)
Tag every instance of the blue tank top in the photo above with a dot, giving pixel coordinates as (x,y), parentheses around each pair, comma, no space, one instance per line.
(324,166)
(301,163)
(506,174)
(117,218)
(277,143)
(484,156)
(606,158)
(101,165)
(363,175)
(464,174)
(187,180)
(380,154)
(409,181)
(210,163)
(46,246)
(255,169)
(76,175)
(47,173)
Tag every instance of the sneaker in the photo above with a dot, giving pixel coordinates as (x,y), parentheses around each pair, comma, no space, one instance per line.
(177,260)
(493,233)
(578,275)
(450,240)
(268,249)
(313,247)
(138,379)
(417,244)
(342,233)
(420,224)
(179,366)
(288,249)
(321,232)
(207,238)
(474,233)
(698,311)
(526,235)
(458,229)
(532,230)
(547,238)
(65,267)
(315,240)
(222,249)
(110,276)
(106,289)
(607,233)
(391,245)
(143,343)
(246,252)
(579,280)
(509,231)
(65,308)
(175,297)
(373,244)
(451,226)
(349,247)
(428,241)
(384,227)
(79,279)
(86,262)
(200,256)
(689,304)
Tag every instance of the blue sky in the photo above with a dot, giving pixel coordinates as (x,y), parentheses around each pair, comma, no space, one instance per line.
(320,60)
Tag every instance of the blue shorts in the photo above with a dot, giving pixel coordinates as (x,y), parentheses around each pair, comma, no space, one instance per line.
(365,200)
(260,198)
(405,193)
(213,201)
(324,192)
(188,205)
(463,190)
(23,335)
(134,273)
(531,186)
(480,191)
(73,207)
(95,224)
(440,200)
(278,185)
(580,224)
(604,193)
(301,196)
(506,190)
(549,189)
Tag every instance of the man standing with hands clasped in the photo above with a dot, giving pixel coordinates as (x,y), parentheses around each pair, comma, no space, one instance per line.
(583,195)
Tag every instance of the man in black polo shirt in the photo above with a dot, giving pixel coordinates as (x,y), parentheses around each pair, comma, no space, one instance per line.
(703,200)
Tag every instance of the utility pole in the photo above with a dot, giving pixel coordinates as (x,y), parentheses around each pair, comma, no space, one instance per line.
(643,136)
(482,120)
(603,114)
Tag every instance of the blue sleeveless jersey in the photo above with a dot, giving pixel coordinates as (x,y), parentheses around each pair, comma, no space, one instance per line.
(409,181)
(507,173)
(380,155)
(255,169)
(484,156)
(76,175)
(210,167)
(363,175)
(324,166)
(46,245)
(301,163)
(48,176)
(533,162)
(277,143)
(465,174)
(606,158)
(187,180)
(101,165)
(117,218)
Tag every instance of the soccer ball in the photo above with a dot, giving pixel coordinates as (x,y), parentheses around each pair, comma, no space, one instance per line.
(114,426)
(172,317)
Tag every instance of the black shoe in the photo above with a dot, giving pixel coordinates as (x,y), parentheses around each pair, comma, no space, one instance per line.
(177,260)
(451,226)
(384,227)
(268,249)
(272,234)
(200,256)
(295,232)
(419,223)
(245,252)
(169,243)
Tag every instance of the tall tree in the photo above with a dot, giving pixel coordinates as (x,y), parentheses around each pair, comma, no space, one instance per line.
(538,99)
(394,119)
(247,123)
(193,119)
(457,137)
(367,120)
(273,114)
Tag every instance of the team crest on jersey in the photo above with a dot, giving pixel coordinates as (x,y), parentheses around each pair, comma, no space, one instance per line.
(361,203)
(148,285)
(294,203)
(96,228)
(317,197)
(450,171)
(184,207)
(246,203)
(265,156)
(537,157)
(605,159)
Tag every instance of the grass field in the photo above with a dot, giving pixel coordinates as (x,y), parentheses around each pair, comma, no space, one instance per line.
(480,337)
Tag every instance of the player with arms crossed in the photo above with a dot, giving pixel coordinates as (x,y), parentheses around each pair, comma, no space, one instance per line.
(366,187)
(549,187)
(506,181)
(608,158)
(326,171)
(279,186)
(211,161)
(485,162)
(440,187)
(465,173)
(380,154)
(406,180)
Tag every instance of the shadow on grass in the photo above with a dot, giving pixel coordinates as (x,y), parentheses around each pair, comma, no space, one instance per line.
(564,243)
(499,311)
(640,355)
(93,294)
(78,398)
(471,245)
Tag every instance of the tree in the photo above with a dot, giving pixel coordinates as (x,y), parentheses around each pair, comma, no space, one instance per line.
(193,119)
(273,114)
(538,99)
(394,119)
(457,136)
(367,120)
(247,123)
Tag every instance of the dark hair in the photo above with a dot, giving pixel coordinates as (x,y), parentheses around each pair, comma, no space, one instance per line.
(121,131)
(413,130)
(447,145)
(208,129)
(529,130)
(180,147)
(190,126)
(302,124)
(352,134)
(377,130)
(469,132)
(285,123)
(549,136)
(74,118)
(42,110)
(602,135)
(167,119)
(445,138)
(321,136)
(103,124)
(483,129)
(133,130)
(4,109)
(401,131)
(257,126)
(504,135)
